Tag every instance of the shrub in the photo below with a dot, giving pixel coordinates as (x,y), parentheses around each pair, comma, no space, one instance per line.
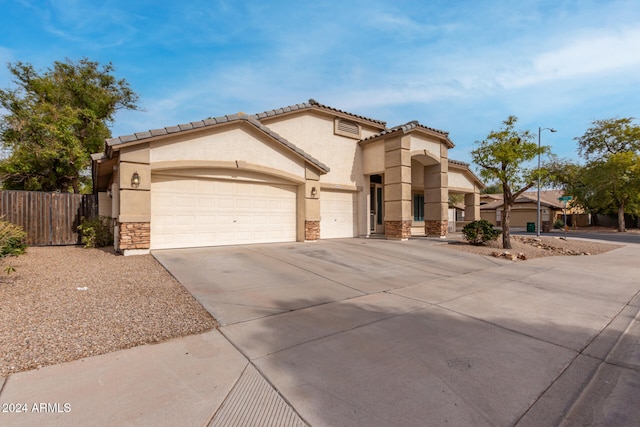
(12,239)
(558,224)
(96,232)
(479,232)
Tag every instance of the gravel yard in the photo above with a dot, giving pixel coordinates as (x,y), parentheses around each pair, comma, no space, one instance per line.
(66,303)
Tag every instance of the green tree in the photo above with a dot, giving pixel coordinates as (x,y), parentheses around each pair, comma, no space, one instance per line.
(609,136)
(572,178)
(611,179)
(455,199)
(583,183)
(613,183)
(492,188)
(500,157)
(55,119)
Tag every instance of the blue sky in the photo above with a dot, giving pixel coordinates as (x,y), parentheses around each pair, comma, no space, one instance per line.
(459,66)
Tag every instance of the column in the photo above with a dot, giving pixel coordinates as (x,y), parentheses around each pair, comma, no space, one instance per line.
(397,188)
(311,231)
(134,217)
(471,207)
(436,199)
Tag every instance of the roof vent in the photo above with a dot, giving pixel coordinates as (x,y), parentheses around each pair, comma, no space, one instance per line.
(347,128)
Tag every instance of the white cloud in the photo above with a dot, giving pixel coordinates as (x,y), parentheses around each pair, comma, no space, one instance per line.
(595,54)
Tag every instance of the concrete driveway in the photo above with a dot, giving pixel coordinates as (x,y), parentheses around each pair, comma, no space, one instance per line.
(375,332)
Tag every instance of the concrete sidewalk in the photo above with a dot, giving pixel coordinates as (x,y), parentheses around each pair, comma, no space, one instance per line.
(363,332)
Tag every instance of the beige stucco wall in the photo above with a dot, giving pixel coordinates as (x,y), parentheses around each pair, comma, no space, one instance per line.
(373,157)
(126,173)
(135,206)
(423,143)
(417,176)
(135,154)
(229,144)
(458,180)
(104,204)
(314,134)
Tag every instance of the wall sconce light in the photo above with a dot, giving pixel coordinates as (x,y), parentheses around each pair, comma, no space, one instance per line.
(313,191)
(110,193)
(135,180)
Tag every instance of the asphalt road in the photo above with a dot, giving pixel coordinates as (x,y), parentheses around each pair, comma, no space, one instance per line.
(607,236)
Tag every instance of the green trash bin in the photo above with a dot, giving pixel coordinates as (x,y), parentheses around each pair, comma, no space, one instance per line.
(531,227)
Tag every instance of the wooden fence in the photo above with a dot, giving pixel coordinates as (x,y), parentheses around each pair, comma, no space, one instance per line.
(48,218)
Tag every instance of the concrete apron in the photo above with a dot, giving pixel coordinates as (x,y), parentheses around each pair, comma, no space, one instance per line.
(364,332)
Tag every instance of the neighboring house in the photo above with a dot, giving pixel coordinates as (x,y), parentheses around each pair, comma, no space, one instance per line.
(524,209)
(298,173)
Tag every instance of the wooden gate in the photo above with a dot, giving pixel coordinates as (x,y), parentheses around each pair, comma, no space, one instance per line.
(48,218)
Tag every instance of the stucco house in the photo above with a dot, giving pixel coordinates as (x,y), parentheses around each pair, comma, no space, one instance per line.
(299,173)
(524,209)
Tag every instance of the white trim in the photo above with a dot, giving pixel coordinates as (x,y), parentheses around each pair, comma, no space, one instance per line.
(129,252)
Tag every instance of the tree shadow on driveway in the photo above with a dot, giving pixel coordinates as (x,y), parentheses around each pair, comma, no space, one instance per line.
(385,359)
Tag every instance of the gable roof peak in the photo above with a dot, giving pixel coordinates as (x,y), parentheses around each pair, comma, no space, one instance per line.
(312,103)
(408,127)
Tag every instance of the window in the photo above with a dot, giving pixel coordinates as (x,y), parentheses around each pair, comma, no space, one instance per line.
(347,128)
(418,207)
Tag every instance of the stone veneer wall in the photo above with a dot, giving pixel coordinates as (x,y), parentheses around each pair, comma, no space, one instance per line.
(436,228)
(311,230)
(397,229)
(134,235)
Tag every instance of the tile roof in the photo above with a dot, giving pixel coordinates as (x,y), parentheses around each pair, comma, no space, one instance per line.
(407,127)
(458,162)
(114,142)
(311,104)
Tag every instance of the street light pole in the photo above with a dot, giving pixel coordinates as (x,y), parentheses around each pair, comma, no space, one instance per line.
(538,210)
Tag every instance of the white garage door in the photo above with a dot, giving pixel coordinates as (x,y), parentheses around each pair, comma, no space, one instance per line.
(338,214)
(208,212)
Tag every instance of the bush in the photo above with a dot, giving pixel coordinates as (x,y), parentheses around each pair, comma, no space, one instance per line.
(558,224)
(479,232)
(12,239)
(96,232)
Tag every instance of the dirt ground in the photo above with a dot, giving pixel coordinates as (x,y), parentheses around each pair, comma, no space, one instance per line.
(528,247)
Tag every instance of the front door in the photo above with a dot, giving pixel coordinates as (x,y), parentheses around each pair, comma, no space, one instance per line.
(376,222)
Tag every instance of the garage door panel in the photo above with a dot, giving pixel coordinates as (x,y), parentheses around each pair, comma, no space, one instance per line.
(198,212)
(338,214)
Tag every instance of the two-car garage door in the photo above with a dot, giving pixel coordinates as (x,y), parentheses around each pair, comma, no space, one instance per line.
(191,212)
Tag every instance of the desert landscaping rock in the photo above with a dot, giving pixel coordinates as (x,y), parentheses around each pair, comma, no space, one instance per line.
(66,303)
(523,247)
